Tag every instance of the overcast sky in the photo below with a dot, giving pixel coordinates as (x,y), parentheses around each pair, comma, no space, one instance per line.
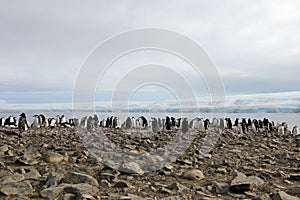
(254,44)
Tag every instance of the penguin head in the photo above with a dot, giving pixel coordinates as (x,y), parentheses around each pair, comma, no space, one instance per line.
(22,115)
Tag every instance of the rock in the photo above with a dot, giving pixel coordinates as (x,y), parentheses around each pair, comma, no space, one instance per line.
(294,190)
(165,191)
(130,197)
(16,177)
(10,153)
(19,188)
(33,174)
(31,154)
(168,168)
(81,188)
(53,157)
(187,162)
(172,198)
(284,196)
(54,179)
(52,192)
(85,197)
(263,197)
(221,170)
(220,188)
(105,183)
(243,183)
(4,148)
(294,177)
(176,186)
(122,184)
(194,174)
(67,197)
(107,176)
(131,168)
(76,177)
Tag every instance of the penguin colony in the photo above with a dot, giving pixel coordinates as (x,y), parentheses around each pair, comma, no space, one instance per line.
(90,123)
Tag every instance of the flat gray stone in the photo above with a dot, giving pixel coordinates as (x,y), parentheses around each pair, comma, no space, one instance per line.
(131,168)
(54,179)
(19,188)
(82,188)
(13,178)
(52,192)
(76,177)
(242,183)
(284,196)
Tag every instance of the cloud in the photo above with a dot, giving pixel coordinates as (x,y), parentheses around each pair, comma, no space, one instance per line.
(44,43)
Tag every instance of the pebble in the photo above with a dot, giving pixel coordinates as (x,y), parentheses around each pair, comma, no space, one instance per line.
(194,174)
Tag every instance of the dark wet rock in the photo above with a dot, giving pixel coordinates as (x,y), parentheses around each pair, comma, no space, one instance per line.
(122,184)
(294,190)
(294,177)
(194,174)
(165,191)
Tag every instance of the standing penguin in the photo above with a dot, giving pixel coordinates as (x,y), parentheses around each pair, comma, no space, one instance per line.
(2,120)
(281,130)
(295,130)
(185,125)
(23,124)
(43,121)
(206,124)
(178,124)
(168,123)
(229,123)
(62,120)
(201,126)
(236,122)
(222,123)
(10,122)
(155,128)
(90,124)
(36,122)
(96,121)
(128,123)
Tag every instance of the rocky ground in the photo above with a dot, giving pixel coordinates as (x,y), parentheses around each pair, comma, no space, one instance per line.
(54,164)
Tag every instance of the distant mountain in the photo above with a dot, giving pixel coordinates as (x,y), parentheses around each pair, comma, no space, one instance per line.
(287,102)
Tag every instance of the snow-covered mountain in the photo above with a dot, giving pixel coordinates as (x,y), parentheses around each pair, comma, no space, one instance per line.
(269,102)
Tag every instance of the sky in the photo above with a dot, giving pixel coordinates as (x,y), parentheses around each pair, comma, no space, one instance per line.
(254,44)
